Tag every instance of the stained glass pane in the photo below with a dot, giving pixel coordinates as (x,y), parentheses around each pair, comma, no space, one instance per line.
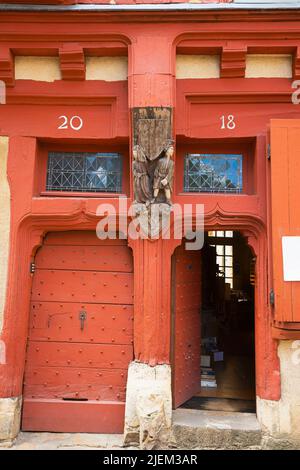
(85,172)
(213,173)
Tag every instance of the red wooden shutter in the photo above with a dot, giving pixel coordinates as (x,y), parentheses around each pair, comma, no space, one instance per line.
(285,200)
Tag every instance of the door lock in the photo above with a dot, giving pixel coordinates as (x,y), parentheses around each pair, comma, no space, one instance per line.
(82,318)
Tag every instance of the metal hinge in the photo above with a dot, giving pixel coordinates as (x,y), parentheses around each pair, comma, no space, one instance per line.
(269,152)
(32,268)
(272,298)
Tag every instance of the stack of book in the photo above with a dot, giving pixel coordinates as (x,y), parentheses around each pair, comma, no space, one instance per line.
(208,377)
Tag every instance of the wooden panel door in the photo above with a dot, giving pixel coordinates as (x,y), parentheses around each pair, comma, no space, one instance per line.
(80,335)
(285,201)
(187,324)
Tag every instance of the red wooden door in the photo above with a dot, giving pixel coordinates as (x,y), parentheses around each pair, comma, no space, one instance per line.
(285,201)
(187,324)
(80,335)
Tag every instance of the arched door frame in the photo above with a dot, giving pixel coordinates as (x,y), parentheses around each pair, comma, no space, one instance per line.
(266,359)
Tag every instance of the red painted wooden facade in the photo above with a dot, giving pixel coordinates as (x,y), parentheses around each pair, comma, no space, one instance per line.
(285,220)
(30,119)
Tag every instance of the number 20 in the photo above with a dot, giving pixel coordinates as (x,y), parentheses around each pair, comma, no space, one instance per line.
(228,122)
(65,124)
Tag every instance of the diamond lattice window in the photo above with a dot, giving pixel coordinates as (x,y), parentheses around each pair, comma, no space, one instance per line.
(213,173)
(84,172)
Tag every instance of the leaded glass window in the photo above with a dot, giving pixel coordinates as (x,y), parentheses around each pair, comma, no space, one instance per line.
(84,172)
(213,173)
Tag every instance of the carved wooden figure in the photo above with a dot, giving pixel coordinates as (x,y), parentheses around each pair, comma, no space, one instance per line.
(141,179)
(164,173)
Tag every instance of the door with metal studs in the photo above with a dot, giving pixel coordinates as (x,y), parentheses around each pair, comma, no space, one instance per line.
(186,324)
(80,335)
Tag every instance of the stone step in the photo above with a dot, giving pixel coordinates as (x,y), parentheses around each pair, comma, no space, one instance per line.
(197,429)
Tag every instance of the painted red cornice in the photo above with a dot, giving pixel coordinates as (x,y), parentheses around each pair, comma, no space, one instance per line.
(206,16)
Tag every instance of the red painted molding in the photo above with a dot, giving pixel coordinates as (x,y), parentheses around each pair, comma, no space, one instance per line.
(243,20)
(233,61)
(6,66)
(296,64)
(289,334)
(72,62)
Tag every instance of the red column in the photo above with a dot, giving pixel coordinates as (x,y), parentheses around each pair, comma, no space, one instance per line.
(151,76)
(21,163)
(152,299)
(152,83)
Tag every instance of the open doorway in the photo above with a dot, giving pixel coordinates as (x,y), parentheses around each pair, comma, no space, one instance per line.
(226,354)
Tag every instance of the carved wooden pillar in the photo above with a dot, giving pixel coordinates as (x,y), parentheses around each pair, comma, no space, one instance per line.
(148,414)
(151,84)
(152,294)
(151,77)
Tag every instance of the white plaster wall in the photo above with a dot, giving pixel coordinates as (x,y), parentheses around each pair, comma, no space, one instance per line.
(109,69)
(42,69)
(269,66)
(197,66)
(4,225)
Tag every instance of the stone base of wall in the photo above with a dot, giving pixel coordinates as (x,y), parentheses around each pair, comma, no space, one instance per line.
(148,417)
(10,418)
(280,420)
(280,443)
(148,414)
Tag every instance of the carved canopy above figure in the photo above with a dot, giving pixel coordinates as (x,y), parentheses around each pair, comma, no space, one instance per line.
(152,168)
(153,150)
(152,129)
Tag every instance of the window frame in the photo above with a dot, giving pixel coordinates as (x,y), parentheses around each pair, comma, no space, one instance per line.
(82,173)
(200,156)
(224,241)
(245,147)
(43,150)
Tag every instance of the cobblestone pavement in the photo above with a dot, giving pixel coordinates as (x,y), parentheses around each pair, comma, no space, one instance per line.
(62,441)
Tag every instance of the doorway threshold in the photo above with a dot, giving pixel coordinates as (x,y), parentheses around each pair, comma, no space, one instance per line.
(199,429)
(220,404)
